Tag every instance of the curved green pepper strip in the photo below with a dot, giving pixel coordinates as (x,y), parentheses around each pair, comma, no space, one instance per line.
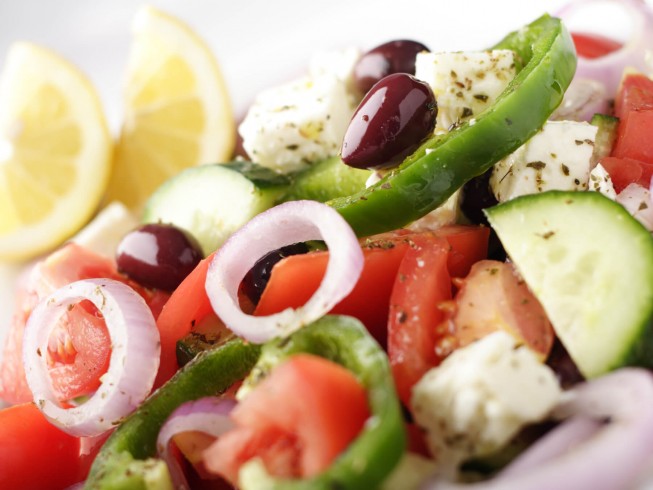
(444,163)
(123,460)
(376,451)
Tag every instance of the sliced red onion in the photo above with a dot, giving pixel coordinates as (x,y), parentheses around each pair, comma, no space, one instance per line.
(288,223)
(209,415)
(609,69)
(582,100)
(637,200)
(611,454)
(133,364)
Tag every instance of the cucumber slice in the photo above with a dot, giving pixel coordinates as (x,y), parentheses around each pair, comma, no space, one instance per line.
(605,136)
(326,180)
(590,264)
(213,201)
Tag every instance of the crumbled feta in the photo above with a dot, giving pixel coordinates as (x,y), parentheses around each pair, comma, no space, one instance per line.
(637,200)
(478,399)
(105,231)
(557,157)
(600,181)
(446,214)
(335,63)
(299,123)
(465,84)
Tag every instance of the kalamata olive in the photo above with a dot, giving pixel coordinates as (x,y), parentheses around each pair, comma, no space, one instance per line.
(477,196)
(158,255)
(390,122)
(386,59)
(258,276)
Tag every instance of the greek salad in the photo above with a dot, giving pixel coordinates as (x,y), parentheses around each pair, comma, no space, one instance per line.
(418,270)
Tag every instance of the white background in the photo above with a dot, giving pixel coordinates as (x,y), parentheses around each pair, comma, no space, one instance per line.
(258,43)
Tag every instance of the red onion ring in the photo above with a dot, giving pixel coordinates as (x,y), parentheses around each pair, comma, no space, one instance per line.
(133,364)
(609,69)
(288,223)
(209,415)
(616,452)
(583,99)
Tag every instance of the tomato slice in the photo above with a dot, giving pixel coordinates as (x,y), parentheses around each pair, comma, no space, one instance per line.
(79,349)
(34,454)
(594,45)
(294,436)
(635,94)
(188,306)
(493,297)
(625,171)
(294,279)
(422,283)
(633,136)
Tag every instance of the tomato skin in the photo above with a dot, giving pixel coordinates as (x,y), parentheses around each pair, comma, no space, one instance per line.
(35,454)
(295,278)
(188,305)
(492,297)
(633,136)
(422,283)
(82,348)
(295,436)
(635,94)
(624,171)
(594,45)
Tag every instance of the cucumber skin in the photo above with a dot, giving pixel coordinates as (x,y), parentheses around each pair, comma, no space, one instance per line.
(606,136)
(176,200)
(637,349)
(326,180)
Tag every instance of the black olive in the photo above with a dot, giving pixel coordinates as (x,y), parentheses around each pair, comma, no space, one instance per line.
(395,116)
(386,59)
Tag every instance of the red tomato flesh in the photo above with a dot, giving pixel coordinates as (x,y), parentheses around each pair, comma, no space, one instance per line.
(34,454)
(492,297)
(294,279)
(79,349)
(594,45)
(297,420)
(634,137)
(421,284)
(635,94)
(625,171)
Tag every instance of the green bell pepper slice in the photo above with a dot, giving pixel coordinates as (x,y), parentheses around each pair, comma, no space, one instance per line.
(371,457)
(444,163)
(127,459)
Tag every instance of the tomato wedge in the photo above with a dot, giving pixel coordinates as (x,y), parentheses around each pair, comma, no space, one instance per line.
(35,454)
(79,349)
(594,45)
(493,297)
(295,278)
(421,285)
(294,436)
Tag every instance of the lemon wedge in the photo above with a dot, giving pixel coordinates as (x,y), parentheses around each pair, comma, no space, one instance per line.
(177,111)
(55,151)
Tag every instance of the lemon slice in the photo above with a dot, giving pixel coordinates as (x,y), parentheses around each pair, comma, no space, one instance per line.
(55,151)
(177,110)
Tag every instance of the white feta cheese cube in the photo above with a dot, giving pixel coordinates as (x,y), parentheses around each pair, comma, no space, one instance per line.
(480,397)
(339,64)
(557,157)
(299,123)
(465,83)
(600,181)
(637,200)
